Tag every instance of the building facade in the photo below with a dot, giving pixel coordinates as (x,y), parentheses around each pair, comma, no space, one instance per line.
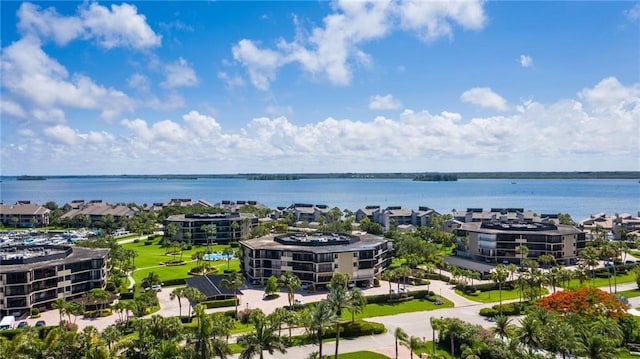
(24,214)
(314,258)
(394,216)
(496,242)
(228,226)
(35,276)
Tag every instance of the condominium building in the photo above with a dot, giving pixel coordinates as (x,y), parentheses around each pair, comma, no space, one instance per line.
(394,216)
(35,276)
(228,226)
(24,214)
(496,241)
(315,257)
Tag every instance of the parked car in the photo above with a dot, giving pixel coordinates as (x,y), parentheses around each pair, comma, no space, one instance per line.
(298,301)
(22,325)
(40,323)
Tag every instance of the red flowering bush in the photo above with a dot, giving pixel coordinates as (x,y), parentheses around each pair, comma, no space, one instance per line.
(585,302)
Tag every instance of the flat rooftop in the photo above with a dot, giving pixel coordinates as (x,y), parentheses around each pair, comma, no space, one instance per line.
(57,255)
(316,243)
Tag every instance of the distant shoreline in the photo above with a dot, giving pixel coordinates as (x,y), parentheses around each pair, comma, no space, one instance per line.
(381,175)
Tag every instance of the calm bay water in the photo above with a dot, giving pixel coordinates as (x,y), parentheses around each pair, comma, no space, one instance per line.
(580,198)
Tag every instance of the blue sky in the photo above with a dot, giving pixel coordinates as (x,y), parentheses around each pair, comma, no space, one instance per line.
(275,87)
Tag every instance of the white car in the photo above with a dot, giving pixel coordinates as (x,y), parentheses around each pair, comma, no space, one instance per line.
(298,301)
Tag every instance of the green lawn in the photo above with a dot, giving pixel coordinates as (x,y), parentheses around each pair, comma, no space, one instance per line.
(365,354)
(631,293)
(494,295)
(416,305)
(150,259)
(603,282)
(428,348)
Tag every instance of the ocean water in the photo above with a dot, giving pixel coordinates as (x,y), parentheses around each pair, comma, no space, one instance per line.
(578,197)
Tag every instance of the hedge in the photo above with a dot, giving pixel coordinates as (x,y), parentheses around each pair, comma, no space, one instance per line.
(507,309)
(356,329)
(437,276)
(172,282)
(488,312)
(231,302)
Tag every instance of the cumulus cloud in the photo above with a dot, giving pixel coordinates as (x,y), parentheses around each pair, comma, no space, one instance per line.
(484,97)
(139,82)
(585,129)
(117,26)
(333,50)
(633,14)
(231,81)
(179,74)
(384,102)
(25,67)
(526,61)
(274,110)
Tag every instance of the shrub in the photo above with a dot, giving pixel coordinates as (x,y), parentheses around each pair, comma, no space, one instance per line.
(488,312)
(173,282)
(438,276)
(137,240)
(510,308)
(126,295)
(376,282)
(35,312)
(234,244)
(356,329)
(220,303)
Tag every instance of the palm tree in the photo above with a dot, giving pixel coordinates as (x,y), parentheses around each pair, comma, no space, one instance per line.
(150,280)
(503,326)
(590,256)
(581,273)
(291,282)
(110,335)
(203,342)
(262,338)
(234,281)
(413,343)
(99,295)
(179,294)
(62,306)
(529,333)
(512,269)
(388,275)
(193,295)
(522,251)
(230,253)
(499,276)
(401,337)
(210,231)
(451,327)
(234,229)
(320,317)
(357,302)
(338,299)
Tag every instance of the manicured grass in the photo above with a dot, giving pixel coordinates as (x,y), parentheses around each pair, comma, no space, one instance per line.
(416,305)
(493,296)
(631,293)
(151,257)
(428,348)
(365,354)
(603,282)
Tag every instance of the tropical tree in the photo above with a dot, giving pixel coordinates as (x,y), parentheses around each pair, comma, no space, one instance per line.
(272,286)
(400,337)
(234,281)
(338,299)
(503,326)
(522,251)
(499,276)
(263,338)
(590,257)
(389,275)
(193,295)
(210,231)
(529,333)
(150,280)
(357,302)
(62,306)
(202,340)
(413,343)
(291,282)
(230,253)
(178,293)
(319,318)
(99,296)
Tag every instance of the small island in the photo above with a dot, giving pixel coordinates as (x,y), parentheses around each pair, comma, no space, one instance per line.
(30,178)
(436,177)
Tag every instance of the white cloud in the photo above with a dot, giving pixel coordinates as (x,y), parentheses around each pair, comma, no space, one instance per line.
(609,91)
(139,82)
(484,97)
(386,102)
(232,81)
(25,67)
(334,49)
(526,61)
(11,108)
(179,74)
(583,130)
(633,14)
(273,110)
(119,26)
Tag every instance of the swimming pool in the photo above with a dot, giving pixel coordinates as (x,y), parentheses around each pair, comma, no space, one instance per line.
(216,256)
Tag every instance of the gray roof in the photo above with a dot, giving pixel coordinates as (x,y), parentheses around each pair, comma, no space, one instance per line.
(78,254)
(210,285)
(366,241)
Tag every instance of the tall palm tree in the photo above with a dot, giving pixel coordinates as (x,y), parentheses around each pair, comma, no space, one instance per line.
(203,341)
(234,281)
(210,231)
(529,333)
(389,275)
(62,306)
(193,295)
(522,251)
(338,299)
(110,335)
(320,317)
(401,337)
(357,302)
(262,338)
(179,294)
(291,282)
(413,343)
(499,276)
(590,256)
